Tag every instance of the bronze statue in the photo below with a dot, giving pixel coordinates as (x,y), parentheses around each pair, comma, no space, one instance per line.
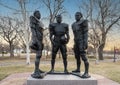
(59,36)
(80,31)
(37,45)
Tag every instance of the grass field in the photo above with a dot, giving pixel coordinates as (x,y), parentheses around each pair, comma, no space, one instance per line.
(108,69)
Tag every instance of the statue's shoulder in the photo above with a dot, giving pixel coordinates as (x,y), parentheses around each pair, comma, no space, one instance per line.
(32,19)
(65,24)
(85,22)
(52,24)
(73,24)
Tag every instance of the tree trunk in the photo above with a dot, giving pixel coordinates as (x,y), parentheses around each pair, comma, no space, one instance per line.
(27,54)
(18,53)
(96,55)
(100,52)
(11,50)
(101,46)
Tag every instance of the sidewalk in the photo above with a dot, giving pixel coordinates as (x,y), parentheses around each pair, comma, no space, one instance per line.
(20,79)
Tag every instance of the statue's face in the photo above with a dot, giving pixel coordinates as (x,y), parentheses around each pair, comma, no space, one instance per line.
(78,16)
(59,19)
(37,15)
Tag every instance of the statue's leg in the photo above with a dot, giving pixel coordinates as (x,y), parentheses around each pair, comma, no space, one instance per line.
(77,57)
(63,50)
(37,72)
(37,60)
(55,48)
(86,64)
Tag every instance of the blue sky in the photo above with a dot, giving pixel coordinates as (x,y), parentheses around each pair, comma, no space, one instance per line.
(70,6)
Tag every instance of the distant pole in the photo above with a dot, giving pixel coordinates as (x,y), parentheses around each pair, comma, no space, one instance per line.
(114,54)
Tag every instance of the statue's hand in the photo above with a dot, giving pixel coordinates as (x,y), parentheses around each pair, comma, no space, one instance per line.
(52,41)
(85,46)
(67,40)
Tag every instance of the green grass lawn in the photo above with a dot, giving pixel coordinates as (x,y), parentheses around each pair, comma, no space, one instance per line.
(110,70)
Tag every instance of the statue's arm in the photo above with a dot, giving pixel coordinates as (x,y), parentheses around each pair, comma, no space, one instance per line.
(33,26)
(85,34)
(67,33)
(51,30)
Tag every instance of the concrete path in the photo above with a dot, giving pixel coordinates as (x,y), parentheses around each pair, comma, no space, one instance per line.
(20,79)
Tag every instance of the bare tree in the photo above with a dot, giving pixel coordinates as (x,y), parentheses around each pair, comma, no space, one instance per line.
(105,14)
(94,40)
(21,36)
(24,12)
(21,39)
(109,16)
(46,42)
(54,7)
(8,27)
(22,4)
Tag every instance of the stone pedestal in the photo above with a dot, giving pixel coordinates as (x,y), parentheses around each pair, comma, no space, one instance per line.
(61,80)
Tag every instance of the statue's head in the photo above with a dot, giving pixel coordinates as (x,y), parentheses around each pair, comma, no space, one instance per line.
(78,16)
(37,14)
(59,18)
